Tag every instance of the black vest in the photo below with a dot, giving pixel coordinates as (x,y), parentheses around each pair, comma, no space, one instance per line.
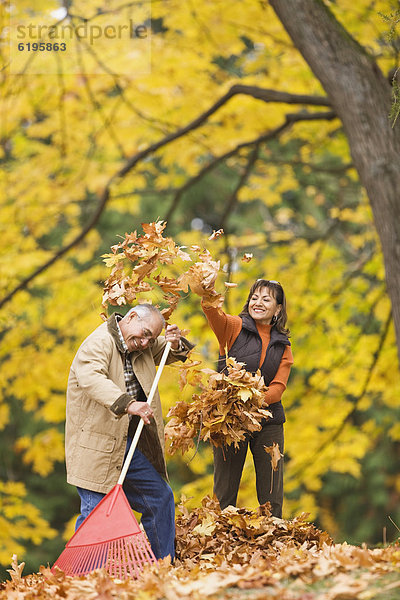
(247,349)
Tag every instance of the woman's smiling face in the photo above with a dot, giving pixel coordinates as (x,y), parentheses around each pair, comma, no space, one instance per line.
(263,306)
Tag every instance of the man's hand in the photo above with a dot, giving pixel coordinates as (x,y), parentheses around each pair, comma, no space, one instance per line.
(173,334)
(142,409)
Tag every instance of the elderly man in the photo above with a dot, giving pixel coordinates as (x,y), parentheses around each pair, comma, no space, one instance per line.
(110,378)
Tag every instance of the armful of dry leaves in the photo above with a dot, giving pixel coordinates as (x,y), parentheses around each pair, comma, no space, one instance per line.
(228,407)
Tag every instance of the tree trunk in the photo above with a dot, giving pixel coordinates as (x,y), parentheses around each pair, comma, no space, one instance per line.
(361,98)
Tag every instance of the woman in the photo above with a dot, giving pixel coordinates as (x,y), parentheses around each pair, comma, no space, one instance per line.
(257,337)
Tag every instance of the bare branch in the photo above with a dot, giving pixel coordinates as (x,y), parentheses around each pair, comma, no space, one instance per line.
(337,291)
(313,167)
(285,98)
(25,282)
(107,123)
(265,95)
(218,160)
(290,118)
(252,159)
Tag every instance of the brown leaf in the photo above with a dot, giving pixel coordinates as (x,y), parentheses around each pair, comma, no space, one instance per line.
(200,277)
(16,569)
(144,255)
(275,455)
(228,407)
(216,234)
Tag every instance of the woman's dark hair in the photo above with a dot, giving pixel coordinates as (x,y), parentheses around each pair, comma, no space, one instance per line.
(277,291)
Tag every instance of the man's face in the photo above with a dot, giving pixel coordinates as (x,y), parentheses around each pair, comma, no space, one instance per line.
(140,332)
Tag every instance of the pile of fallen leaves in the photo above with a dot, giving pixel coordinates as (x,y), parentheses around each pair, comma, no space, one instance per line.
(228,407)
(239,535)
(138,263)
(224,554)
(254,550)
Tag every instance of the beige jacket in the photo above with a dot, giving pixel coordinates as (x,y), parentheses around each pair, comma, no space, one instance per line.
(96,422)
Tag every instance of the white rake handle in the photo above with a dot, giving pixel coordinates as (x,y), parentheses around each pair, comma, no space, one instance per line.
(136,437)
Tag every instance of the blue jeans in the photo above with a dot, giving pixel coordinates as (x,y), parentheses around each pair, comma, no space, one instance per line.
(149,494)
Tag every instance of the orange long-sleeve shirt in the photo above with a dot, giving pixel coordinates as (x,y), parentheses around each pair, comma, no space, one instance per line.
(227,328)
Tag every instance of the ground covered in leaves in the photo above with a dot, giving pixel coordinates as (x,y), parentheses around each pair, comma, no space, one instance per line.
(235,553)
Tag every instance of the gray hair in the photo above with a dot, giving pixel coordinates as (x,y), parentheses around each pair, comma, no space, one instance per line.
(146,311)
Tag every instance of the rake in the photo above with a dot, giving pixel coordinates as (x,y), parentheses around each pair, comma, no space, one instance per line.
(110,536)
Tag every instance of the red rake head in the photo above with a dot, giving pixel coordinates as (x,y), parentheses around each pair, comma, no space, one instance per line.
(109,537)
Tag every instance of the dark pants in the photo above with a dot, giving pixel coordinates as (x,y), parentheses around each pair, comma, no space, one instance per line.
(229,462)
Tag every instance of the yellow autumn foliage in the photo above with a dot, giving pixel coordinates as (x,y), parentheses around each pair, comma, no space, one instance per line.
(65,136)
(20,521)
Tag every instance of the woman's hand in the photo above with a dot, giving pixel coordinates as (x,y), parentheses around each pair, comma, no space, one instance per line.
(201,277)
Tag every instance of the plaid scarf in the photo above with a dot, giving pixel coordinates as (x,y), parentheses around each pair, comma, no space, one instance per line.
(133,386)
